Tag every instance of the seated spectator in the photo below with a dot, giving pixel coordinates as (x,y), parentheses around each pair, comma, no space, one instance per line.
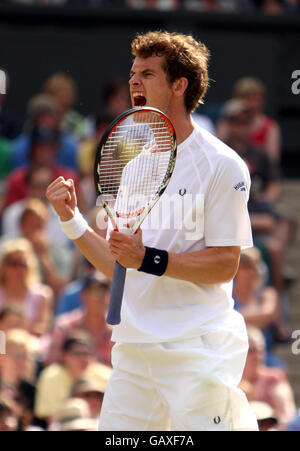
(74,415)
(43,150)
(44,112)
(18,367)
(70,298)
(272,231)
(92,319)
(92,391)
(269,385)
(56,381)
(62,88)
(264,131)
(257,302)
(19,285)
(37,181)
(55,260)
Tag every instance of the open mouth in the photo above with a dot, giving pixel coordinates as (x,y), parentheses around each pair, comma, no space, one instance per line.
(139,100)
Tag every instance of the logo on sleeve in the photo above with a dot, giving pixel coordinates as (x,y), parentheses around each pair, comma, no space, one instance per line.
(241,186)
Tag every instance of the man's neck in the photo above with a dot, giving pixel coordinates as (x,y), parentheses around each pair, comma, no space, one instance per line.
(183,125)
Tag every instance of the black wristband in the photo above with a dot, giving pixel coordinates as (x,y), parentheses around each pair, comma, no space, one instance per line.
(155,261)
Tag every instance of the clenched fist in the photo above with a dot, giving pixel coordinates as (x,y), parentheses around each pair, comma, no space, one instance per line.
(61,194)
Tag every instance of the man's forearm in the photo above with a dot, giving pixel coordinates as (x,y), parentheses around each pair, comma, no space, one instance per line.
(208,266)
(96,250)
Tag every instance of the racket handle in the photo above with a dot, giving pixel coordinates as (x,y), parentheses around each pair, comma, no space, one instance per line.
(116,295)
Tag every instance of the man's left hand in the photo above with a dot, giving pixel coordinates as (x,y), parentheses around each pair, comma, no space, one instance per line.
(128,250)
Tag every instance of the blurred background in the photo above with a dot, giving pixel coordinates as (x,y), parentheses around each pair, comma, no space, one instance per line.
(64,68)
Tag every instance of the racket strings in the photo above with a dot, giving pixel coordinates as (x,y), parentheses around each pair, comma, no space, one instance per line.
(135,160)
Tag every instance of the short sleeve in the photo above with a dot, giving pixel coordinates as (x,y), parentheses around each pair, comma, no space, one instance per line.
(226,217)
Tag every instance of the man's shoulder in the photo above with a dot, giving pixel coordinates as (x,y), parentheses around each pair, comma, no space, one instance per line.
(216,151)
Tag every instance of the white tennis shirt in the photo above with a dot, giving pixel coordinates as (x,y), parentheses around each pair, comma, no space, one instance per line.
(204,205)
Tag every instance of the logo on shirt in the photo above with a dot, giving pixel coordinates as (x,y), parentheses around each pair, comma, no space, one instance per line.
(217,420)
(182,191)
(241,186)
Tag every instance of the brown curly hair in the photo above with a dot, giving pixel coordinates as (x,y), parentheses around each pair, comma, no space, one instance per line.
(184,57)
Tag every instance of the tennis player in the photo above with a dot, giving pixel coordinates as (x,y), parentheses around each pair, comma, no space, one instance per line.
(180,347)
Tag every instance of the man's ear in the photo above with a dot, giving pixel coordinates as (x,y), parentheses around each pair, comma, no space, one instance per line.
(179,86)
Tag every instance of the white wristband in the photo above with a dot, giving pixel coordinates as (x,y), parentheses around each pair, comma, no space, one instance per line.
(75,227)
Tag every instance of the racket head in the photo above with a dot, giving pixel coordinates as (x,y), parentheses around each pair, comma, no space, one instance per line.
(136,156)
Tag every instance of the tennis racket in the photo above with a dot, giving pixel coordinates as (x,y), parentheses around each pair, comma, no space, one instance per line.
(134,163)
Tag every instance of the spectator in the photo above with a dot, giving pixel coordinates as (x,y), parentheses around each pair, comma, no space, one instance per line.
(116,96)
(272,231)
(265,384)
(18,366)
(55,260)
(63,89)
(43,150)
(86,158)
(37,180)
(74,415)
(258,303)
(56,381)
(44,112)
(19,285)
(264,132)
(92,391)
(92,319)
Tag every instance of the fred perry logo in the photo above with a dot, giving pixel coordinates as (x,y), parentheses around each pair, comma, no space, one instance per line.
(217,420)
(157,259)
(182,191)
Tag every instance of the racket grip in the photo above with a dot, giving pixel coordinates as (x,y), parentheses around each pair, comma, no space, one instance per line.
(116,295)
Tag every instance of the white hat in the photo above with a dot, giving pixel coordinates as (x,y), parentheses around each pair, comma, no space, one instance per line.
(75,415)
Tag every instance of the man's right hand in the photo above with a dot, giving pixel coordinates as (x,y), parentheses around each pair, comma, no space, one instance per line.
(61,194)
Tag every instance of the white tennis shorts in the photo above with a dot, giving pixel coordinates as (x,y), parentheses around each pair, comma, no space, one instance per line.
(180,386)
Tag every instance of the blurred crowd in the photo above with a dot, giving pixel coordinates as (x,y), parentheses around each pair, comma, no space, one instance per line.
(52,301)
(221,6)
